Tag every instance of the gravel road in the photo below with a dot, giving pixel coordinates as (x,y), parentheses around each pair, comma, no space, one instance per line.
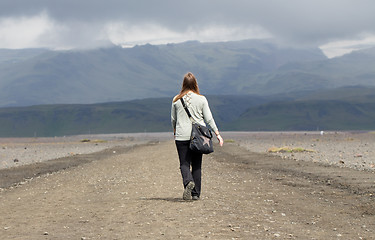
(135,192)
(22,151)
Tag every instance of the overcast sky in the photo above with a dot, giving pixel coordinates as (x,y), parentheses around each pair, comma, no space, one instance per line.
(337,26)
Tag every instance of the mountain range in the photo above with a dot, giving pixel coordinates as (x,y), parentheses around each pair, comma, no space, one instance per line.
(252,67)
(251,85)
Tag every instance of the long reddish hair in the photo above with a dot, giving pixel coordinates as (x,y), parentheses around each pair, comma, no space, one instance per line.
(189,84)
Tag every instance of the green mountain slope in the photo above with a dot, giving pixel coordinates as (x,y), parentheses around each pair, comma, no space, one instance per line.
(59,120)
(312,115)
(349,108)
(147,115)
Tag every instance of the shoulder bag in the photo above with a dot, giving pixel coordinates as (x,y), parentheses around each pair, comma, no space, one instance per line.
(201,136)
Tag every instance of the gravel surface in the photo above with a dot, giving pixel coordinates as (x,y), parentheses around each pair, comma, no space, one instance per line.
(21,151)
(345,149)
(136,193)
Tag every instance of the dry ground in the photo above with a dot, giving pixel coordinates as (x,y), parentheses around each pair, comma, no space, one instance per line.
(135,193)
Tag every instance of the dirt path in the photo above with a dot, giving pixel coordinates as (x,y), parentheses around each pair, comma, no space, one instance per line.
(136,194)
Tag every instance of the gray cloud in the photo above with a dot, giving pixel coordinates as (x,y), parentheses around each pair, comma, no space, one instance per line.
(302,22)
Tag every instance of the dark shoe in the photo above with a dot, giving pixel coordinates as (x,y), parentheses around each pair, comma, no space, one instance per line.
(187,192)
(195,198)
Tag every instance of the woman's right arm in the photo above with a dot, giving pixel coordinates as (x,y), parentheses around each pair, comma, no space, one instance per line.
(173,117)
(219,138)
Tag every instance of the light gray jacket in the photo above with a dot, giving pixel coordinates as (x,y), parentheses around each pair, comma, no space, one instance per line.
(199,110)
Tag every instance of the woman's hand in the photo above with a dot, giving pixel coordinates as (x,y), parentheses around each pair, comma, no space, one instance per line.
(220,139)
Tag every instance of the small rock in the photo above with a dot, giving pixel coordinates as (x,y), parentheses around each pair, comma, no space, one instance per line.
(16,160)
(45,233)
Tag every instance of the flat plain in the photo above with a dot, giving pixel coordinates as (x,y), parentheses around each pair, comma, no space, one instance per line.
(133,190)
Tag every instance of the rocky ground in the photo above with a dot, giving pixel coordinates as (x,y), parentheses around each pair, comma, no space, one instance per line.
(344,149)
(16,152)
(134,192)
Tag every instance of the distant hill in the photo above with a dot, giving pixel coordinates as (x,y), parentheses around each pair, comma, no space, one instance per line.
(60,120)
(31,77)
(147,115)
(348,108)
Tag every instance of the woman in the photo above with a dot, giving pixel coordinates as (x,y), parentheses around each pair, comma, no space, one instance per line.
(200,112)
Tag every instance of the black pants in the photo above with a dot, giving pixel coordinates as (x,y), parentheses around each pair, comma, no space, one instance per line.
(189,158)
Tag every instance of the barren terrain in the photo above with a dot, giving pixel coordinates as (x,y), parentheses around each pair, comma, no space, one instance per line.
(135,192)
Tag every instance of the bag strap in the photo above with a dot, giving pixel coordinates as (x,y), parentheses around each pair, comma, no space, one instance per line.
(186,109)
(191,118)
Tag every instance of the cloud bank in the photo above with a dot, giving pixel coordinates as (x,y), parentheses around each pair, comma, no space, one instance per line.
(337,26)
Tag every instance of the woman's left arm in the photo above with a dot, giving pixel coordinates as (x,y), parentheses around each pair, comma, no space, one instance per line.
(207,115)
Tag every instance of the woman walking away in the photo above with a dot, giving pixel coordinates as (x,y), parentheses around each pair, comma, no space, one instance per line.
(200,112)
